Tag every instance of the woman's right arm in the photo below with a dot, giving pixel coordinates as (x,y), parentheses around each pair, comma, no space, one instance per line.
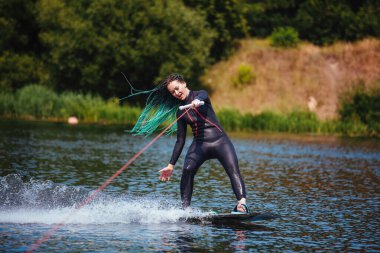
(181,138)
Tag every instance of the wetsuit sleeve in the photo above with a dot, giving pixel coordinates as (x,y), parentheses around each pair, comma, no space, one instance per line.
(181,138)
(202,95)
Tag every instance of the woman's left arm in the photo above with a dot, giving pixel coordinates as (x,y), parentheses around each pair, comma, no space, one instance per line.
(202,95)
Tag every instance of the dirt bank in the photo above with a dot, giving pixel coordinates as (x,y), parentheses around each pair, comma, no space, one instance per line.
(307,77)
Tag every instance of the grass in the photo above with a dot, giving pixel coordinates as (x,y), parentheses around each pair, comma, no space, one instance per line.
(38,102)
(298,122)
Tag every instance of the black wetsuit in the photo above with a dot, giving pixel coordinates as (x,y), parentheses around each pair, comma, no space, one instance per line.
(210,141)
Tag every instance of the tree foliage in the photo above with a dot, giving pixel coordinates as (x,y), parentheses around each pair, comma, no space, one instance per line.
(362,105)
(84,45)
(333,22)
(19,45)
(284,37)
(228,18)
(318,21)
(90,42)
(18,70)
(18,26)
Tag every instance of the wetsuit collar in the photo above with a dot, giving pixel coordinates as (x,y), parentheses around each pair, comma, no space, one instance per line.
(188,98)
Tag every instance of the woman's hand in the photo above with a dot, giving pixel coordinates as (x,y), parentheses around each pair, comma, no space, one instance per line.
(196,103)
(166,172)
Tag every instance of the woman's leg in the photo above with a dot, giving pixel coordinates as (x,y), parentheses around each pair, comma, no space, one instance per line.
(227,156)
(193,161)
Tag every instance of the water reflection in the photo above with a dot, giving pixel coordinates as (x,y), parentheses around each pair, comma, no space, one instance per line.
(326,189)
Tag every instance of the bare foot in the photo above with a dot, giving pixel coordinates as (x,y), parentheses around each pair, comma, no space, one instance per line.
(242,208)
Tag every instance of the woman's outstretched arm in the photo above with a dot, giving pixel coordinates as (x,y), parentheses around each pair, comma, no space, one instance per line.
(166,172)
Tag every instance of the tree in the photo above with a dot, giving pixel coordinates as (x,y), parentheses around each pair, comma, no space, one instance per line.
(90,42)
(18,26)
(264,16)
(19,45)
(228,18)
(318,21)
(323,22)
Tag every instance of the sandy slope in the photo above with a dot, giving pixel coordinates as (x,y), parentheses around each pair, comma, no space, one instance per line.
(292,79)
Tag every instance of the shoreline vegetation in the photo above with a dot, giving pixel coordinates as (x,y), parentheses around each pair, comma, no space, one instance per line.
(35,102)
(299,67)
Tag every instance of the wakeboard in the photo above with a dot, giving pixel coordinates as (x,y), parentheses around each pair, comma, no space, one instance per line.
(233,217)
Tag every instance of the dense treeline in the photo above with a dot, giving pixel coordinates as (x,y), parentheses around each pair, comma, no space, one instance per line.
(318,21)
(85,45)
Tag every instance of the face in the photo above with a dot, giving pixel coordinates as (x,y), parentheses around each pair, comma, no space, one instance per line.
(178,89)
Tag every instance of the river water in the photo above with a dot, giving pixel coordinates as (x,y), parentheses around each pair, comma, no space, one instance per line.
(326,189)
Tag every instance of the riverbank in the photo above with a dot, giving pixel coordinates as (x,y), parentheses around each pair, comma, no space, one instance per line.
(309,89)
(232,120)
(39,103)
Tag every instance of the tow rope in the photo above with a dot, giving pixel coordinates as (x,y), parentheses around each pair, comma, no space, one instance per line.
(51,231)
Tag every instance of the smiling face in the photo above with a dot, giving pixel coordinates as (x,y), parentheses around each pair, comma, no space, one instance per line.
(178,89)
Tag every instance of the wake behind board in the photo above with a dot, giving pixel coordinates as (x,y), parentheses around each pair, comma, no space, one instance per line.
(233,217)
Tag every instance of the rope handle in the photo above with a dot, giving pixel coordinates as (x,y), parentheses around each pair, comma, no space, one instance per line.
(190,105)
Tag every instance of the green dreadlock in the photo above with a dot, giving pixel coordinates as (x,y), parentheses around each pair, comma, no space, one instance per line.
(161,108)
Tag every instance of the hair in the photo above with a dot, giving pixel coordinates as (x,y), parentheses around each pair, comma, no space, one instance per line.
(160,109)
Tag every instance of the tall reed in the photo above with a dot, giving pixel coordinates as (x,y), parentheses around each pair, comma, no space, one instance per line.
(39,102)
(295,122)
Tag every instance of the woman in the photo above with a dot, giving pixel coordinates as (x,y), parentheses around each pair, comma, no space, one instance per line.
(210,140)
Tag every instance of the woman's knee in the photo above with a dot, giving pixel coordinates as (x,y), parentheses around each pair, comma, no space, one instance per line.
(190,167)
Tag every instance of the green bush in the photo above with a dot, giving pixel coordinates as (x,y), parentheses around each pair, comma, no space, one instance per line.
(268,121)
(37,101)
(303,122)
(360,107)
(244,76)
(7,101)
(85,107)
(284,37)
(295,122)
(361,103)
(18,70)
(113,113)
(359,112)
(230,119)
(247,121)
